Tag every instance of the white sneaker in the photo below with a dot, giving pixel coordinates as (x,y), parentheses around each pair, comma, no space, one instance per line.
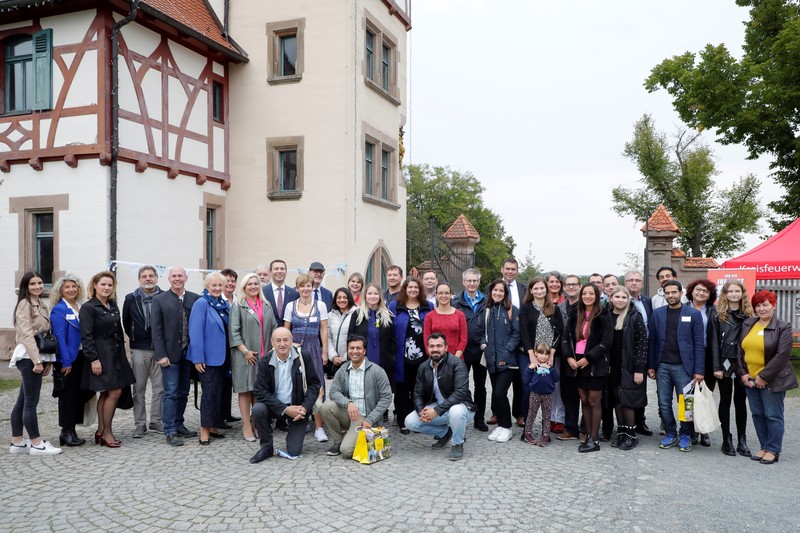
(495,432)
(505,435)
(320,435)
(44,448)
(24,447)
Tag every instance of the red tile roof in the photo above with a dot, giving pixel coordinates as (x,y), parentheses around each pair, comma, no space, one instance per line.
(462,229)
(196,16)
(700,262)
(677,252)
(660,220)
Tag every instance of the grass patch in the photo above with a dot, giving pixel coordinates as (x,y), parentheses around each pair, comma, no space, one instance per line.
(9,384)
(795,393)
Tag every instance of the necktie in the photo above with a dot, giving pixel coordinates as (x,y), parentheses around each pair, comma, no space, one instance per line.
(280,300)
(316,295)
(184,327)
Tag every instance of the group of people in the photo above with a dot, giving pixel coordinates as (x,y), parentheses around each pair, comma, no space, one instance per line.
(564,348)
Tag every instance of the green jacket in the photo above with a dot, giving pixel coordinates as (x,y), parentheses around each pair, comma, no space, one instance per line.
(377,391)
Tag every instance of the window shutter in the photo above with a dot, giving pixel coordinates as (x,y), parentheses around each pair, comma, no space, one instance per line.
(42,70)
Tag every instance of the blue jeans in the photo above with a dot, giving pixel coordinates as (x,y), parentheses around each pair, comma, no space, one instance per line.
(767,410)
(671,377)
(456,418)
(176,393)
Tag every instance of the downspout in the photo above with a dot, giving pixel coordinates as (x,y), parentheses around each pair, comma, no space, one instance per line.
(112,193)
(225,17)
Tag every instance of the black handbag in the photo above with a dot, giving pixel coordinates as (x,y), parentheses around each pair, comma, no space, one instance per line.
(46,342)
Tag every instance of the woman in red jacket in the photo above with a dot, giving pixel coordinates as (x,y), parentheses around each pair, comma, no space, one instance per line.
(448,321)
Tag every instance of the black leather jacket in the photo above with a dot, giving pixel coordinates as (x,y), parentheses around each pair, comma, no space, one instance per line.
(453,378)
(728,339)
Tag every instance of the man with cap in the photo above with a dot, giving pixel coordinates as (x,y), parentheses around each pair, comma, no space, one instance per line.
(317,272)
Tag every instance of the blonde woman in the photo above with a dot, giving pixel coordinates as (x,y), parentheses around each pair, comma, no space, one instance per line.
(251,324)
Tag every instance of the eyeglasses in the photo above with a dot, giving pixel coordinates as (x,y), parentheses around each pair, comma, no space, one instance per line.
(572,284)
(701,290)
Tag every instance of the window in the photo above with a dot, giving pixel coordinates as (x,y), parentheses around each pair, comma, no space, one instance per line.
(380,168)
(285,42)
(217,101)
(369,149)
(285,168)
(210,223)
(378,262)
(28,70)
(380,59)
(43,245)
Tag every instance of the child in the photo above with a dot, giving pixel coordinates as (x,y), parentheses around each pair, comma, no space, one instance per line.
(542,382)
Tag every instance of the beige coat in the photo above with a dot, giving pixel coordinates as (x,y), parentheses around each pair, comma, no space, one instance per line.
(31,317)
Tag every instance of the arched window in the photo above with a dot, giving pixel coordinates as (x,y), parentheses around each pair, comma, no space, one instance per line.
(28,66)
(379,261)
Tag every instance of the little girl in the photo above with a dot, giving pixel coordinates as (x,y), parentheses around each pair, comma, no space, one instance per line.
(542,382)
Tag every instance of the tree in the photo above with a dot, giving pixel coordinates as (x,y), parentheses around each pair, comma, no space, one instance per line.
(751,101)
(442,194)
(529,268)
(634,262)
(680,176)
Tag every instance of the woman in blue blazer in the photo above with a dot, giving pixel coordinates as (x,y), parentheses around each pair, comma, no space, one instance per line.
(208,344)
(66,298)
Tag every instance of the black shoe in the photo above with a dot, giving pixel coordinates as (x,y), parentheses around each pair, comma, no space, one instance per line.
(183,432)
(334,450)
(261,454)
(705,440)
(76,437)
(628,442)
(727,445)
(231,418)
(604,437)
(215,435)
(457,452)
(642,429)
(205,442)
(480,425)
(620,437)
(224,426)
(770,461)
(695,438)
(405,431)
(590,445)
(442,442)
(742,447)
(67,439)
(174,440)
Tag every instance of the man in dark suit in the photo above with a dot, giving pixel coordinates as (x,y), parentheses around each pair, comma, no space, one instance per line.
(676,357)
(317,273)
(170,326)
(286,388)
(277,292)
(634,282)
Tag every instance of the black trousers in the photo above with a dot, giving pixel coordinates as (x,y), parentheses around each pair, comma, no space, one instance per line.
(479,384)
(210,412)
(403,403)
(572,403)
(227,389)
(262,417)
(72,398)
(501,382)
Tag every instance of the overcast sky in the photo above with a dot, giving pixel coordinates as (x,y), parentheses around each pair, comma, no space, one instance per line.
(538,99)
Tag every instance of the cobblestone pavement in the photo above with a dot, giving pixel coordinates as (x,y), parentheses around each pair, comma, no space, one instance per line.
(146,485)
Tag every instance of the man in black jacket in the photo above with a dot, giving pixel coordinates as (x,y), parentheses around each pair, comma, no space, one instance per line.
(472,303)
(136,320)
(286,387)
(170,326)
(442,399)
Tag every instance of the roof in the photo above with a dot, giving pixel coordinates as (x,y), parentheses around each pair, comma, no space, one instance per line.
(700,262)
(775,258)
(461,229)
(660,220)
(197,18)
(677,252)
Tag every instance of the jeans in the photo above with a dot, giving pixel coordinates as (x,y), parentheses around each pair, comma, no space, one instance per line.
(671,377)
(501,382)
(767,410)
(176,393)
(24,411)
(146,367)
(557,411)
(457,418)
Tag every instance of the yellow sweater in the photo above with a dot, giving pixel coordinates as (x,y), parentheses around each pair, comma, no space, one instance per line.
(753,346)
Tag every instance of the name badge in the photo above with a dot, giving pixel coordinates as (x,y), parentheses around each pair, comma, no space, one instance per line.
(761,333)
(686,319)
(71,317)
(251,311)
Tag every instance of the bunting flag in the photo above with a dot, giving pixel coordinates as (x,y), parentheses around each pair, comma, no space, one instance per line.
(339,269)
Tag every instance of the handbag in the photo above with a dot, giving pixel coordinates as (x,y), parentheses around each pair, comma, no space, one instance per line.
(686,403)
(126,398)
(59,381)
(46,342)
(706,417)
(372,445)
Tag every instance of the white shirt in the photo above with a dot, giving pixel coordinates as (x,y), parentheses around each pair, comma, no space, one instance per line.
(513,291)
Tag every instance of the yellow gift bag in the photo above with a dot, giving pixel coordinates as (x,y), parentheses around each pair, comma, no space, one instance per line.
(686,403)
(372,445)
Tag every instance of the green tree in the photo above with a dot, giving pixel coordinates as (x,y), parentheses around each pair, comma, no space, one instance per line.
(712,222)
(529,268)
(441,194)
(751,101)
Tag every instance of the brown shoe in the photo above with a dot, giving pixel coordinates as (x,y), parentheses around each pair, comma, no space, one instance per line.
(566,435)
(492,420)
(521,422)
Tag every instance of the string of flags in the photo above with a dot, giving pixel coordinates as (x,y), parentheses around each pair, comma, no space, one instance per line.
(338,269)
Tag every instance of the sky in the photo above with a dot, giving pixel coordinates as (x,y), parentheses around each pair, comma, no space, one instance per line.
(537,99)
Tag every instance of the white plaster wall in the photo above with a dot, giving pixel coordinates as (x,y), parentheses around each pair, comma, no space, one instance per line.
(83,228)
(177,103)
(127,95)
(69,28)
(132,136)
(198,116)
(194,152)
(83,90)
(140,39)
(190,63)
(151,87)
(76,130)
(219,149)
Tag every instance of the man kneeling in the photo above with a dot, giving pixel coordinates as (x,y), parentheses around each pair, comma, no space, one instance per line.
(442,399)
(359,395)
(286,388)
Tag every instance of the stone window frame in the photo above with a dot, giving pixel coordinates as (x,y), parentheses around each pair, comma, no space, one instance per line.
(276,30)
(217,203)
(381,142)
(25,207)
(276,145)
(383,37)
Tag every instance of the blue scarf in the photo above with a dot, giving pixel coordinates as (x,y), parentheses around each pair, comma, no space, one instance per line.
(221,306)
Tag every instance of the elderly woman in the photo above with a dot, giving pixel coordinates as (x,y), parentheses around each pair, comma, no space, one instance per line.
(702,293)
(766,371)
(66,298)
(208,344)
(31,317)
(250,325)
(104,346)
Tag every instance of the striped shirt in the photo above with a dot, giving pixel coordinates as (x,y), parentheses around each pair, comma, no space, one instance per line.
(355,382)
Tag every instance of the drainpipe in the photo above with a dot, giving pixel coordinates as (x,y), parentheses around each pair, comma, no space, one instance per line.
(225,17)
(112,196)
